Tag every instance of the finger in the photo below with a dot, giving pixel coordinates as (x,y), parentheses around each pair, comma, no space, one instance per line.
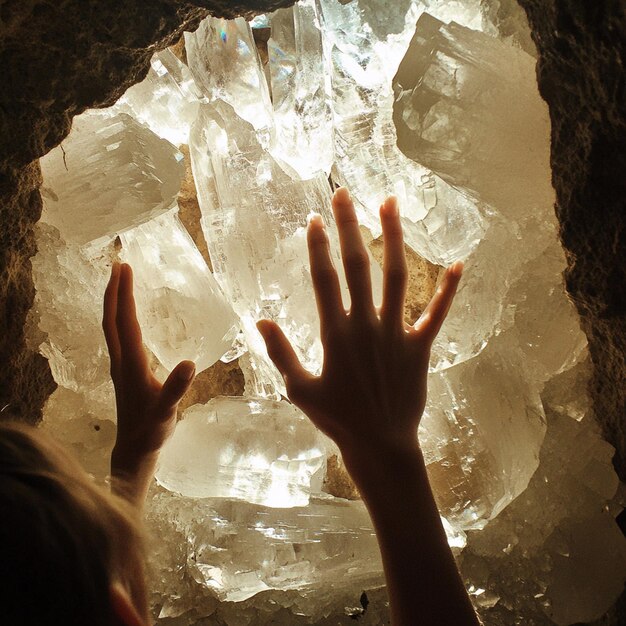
(356,261)
(394,264)
(430,322)
(108,319)
(282,353)
(324,275)
(176,385)
(134,357)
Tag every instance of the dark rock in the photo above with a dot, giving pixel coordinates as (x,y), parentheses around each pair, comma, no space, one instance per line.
(582,55)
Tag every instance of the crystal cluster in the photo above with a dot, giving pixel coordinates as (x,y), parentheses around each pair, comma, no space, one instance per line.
(426,100)
(114,177)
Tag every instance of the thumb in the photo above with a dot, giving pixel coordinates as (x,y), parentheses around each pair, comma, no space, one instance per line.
(177,384)
(281,351)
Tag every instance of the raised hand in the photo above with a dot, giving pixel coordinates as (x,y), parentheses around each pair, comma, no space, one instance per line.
(369,398)
(146,408)
(373,382)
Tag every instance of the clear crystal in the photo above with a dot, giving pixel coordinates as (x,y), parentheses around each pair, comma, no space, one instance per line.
(261,451)
(110,174)
(178,300)
(166,100)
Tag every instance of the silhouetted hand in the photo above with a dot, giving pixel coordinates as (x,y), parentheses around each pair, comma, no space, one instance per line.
(146,408)
(372,388)
(369,399)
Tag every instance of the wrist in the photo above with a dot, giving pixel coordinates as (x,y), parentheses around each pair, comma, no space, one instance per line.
(128,462)
(380,461)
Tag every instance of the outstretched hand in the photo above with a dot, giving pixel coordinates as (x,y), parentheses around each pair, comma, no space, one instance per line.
(369,399)
(372,389)
(146,408)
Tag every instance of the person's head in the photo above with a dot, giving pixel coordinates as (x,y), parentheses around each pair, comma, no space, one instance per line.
(71,553)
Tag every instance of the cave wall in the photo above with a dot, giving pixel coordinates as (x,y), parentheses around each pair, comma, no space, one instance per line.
(59,58)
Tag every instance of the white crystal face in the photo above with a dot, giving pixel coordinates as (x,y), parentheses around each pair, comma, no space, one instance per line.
(434,101)
(261,451)
(110,174)
(176,292)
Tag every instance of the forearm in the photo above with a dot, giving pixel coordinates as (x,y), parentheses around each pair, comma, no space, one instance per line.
(423,582)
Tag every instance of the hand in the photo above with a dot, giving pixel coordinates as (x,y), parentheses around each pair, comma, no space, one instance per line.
(146,409)
(372,389)
(369,399)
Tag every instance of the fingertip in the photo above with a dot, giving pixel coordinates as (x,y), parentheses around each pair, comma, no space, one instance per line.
(342,195)
(390,207)
(316,225)
(456,269)
(265,327)
(315,219)
(186,370)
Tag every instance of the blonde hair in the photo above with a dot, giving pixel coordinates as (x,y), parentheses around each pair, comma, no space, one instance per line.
(63,540)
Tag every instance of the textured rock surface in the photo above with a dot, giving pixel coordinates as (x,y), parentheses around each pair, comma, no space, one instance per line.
(25,378)
(582,50)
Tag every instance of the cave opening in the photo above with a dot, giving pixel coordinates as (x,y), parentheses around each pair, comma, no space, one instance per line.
(441,99)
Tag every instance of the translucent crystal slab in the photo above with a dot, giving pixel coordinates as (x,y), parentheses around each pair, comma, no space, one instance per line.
(261,451)
(69,282)
(365,53)
(467,106)
(111,173)
(179,302)
(67,277)
(166,100)
(481,435)
(476,314)
(225,64)
(255,225)
(237,549)
(300,84)
(565,556)
(544,321)
(234,550)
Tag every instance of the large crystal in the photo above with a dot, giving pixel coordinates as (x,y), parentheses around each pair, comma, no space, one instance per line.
(178,299)
(68,316)
(368,160)
(255,223)
(110,174)
(166,100)
(564,553)
(481,435)
(467,107)
(234,550)
(300,83)
(262,451)
(225,64)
